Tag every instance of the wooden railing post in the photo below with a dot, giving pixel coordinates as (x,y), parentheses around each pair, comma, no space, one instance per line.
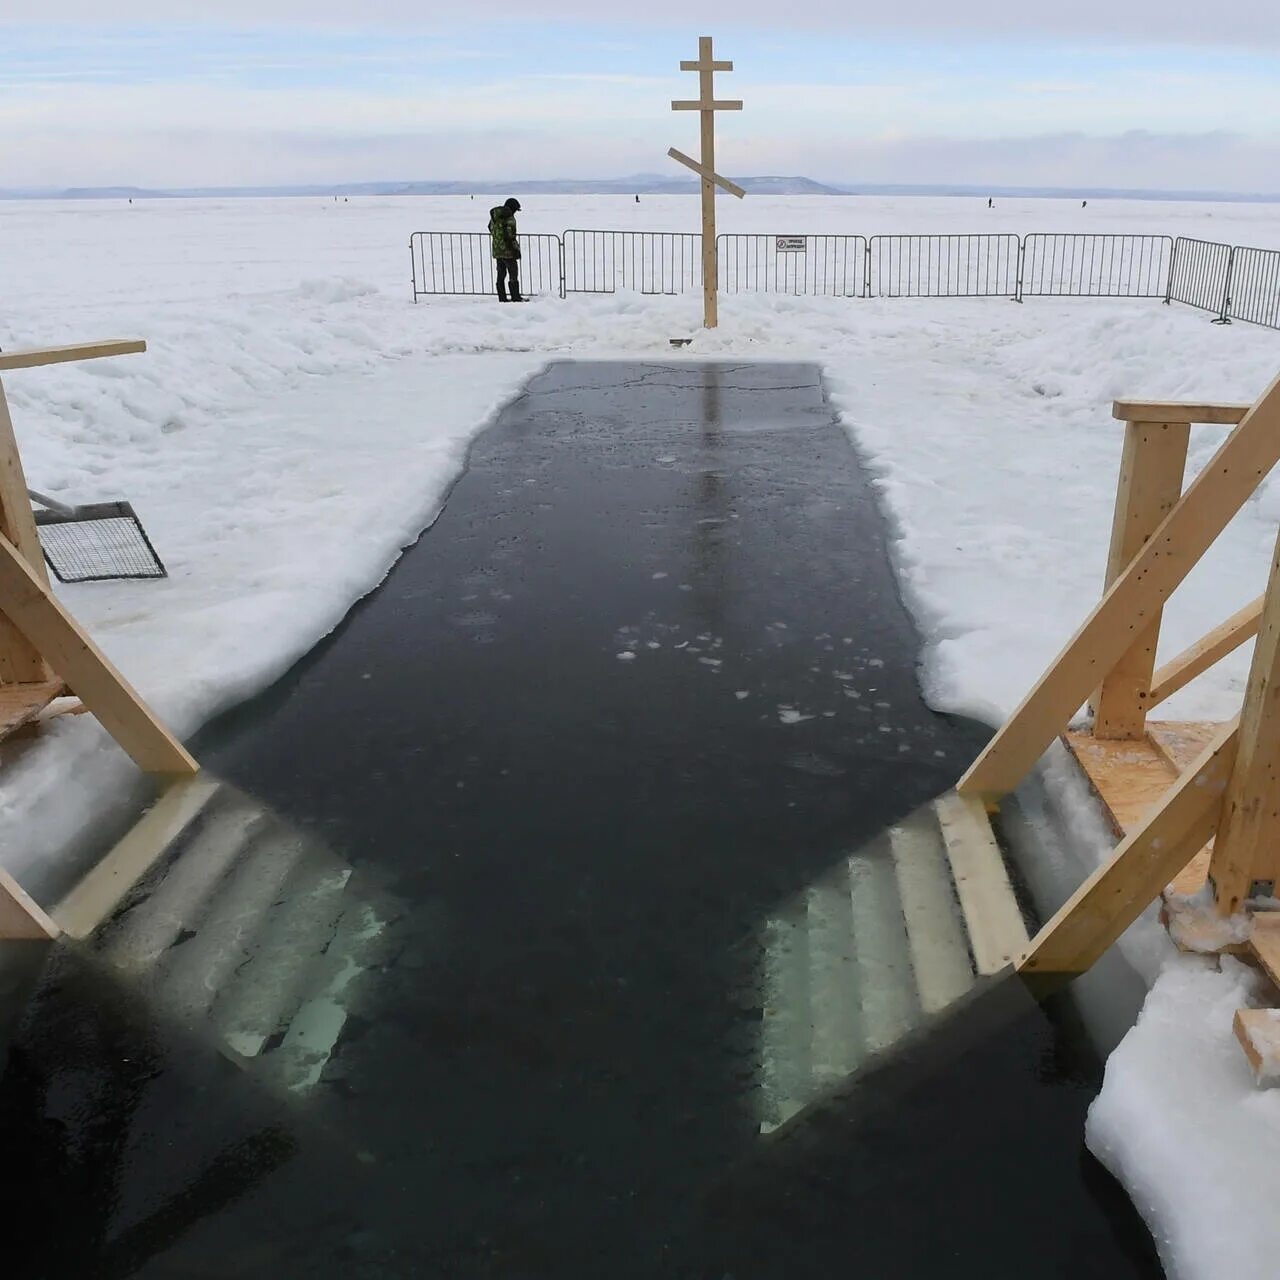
(1151,472)
(20,663)
(1246,851)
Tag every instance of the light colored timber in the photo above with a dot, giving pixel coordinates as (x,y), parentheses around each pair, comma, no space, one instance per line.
(1208,650)
(103,889)
(996,931)
(20,915)
(1182,742)
(1175,411)
(22,703)
(707,104)
(38,614)
(1151,471)
(1264,943)
(1258,1031)
(20,663)
(32,357)
(731,187)
(722,65)
(1115,895)
(1130,778)
(1247,848)
(1203,511)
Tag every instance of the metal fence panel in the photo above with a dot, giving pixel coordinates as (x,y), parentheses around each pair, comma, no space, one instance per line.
(1254,293)
(461,262)
(831,265)
(1200,275)
(643,261)
(944,266)
(1089,265)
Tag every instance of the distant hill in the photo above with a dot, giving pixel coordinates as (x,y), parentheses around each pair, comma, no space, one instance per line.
(675,184)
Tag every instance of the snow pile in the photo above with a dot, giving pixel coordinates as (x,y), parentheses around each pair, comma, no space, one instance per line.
(297,420)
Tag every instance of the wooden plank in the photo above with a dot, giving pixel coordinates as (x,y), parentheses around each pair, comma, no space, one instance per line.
(20,915)
(687,65)
(1209,649)
(1203,511)
(710,250)
(1258,1031)
(102,890)
(1178,411)
(731,187)
(1131,779)
(22,703)
(1151,471)
(996,931)
(1247,848)
(1264,943)
(708,104)
(32,357)
(1115,895)
(19,661)
(46,624)
(1182,742)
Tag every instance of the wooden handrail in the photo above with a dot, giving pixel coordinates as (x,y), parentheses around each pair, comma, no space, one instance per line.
(33,356)
(1209,649)
(1228,415)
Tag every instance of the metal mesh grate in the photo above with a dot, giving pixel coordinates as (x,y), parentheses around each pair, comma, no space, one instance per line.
(99,543)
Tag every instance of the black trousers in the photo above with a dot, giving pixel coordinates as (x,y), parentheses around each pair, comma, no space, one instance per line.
(509,269)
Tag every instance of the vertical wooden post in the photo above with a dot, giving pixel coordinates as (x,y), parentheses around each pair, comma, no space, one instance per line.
(710,263)
(20,662)
(1151,472)
(1246,850)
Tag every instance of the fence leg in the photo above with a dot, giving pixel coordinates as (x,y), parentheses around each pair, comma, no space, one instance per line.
(1246,851)
(1151,471)
(1223,317)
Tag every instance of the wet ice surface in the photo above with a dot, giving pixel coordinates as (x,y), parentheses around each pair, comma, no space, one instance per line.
(648,677)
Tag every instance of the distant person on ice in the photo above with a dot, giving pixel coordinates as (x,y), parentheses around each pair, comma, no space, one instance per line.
(506,247)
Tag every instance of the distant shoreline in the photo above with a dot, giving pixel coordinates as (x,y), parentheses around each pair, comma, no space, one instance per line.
(646,184)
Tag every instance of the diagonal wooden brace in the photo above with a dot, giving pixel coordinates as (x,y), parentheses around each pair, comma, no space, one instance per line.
(701,170)
(37,613)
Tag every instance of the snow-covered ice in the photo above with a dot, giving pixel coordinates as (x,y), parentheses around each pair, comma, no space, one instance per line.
(297,421)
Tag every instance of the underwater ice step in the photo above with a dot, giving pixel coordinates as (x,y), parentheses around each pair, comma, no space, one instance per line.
(786,1024)
(935,929)
(886,978)
(299,928)
(191,975)
(837,1042)
(206,853)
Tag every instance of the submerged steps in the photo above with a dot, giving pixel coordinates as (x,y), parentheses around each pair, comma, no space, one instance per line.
(892,936)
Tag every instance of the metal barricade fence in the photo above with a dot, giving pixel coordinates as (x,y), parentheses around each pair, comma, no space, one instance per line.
(461,262)
(1254,290)
(828,265)
(943,266)
(643,261)
(1200,275)
(1095,265)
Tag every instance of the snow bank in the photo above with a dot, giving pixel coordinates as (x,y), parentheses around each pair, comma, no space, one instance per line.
(297,421)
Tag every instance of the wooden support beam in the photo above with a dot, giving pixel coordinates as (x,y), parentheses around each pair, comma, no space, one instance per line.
(32,357)
(1210,501)
(22,703)
(20,663)
(1173,411)
(707,104)
(38,614)
(1117,893)
(731,187)
(1246,852)
(1209,649)
(1151,471)
(1258,1031)
(20,916)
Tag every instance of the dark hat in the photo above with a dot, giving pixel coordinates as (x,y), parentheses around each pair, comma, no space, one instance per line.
(513,204)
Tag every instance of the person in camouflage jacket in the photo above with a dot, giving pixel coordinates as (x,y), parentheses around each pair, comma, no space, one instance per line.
(506,248)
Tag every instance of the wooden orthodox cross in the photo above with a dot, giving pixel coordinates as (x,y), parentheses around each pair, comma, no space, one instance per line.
(706,67)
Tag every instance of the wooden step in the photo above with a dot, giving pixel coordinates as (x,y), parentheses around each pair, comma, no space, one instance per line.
(1258,1031)
(1264,943)
(997,934)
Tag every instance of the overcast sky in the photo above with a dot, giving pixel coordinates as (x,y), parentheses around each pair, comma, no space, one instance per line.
(1129,93)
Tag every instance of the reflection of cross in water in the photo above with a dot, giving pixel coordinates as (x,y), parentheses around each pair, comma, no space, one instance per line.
(711,515)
